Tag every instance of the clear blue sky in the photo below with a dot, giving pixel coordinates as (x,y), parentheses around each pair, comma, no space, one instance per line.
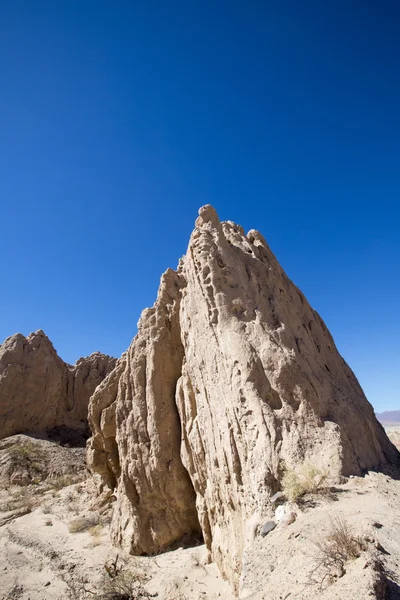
(119,119)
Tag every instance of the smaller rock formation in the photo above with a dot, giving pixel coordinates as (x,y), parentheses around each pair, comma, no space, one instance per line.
(39,391)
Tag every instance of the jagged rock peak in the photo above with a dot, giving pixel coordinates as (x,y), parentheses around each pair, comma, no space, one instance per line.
(231,375)
(39,391)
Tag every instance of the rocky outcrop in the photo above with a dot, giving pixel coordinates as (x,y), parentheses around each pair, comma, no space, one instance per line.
(39,391)
(232,376)
(137,435)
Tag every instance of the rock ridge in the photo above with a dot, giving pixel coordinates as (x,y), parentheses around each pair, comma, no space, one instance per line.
(39,391)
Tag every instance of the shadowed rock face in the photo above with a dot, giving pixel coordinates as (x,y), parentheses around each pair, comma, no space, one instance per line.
(39,391)
(137,434)
(231,373)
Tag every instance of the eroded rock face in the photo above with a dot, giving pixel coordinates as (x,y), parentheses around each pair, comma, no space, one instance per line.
(137,434)
(233,346)
(39,391)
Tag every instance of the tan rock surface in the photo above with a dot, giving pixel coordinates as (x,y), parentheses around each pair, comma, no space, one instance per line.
(234,345)
(137,438)
(39,391)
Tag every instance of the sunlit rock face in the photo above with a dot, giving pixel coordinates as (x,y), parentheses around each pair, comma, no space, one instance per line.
(39,391)
(231,376)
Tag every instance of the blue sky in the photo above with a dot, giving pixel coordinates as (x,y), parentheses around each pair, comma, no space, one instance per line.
(119,119)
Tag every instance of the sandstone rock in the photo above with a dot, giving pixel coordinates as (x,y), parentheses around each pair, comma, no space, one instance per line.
(136,433)
(234,347)
(39,391)
(85,376)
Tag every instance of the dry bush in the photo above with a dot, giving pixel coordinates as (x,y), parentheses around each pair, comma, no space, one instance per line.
(15,593)
(127,585)
(334,551)
(26,449)
(121,584)
(82,524)
(96,529)
(61,481)
(28,459)
(21,498)
(309,480)
(117,583)
(172,592)
(47,508)
(95,532)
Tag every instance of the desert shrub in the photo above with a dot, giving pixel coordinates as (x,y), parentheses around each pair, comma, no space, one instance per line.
(127,585)
(23,498)
(117,583)
(28,459)
(82,524)
(308,480)
(61,481)
(121,584)
(26,449)
(331,554)
(95,532)
(47,508)
(95,529)
(16,592)
(172,592)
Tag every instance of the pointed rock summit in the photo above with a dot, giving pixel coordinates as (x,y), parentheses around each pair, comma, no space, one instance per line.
(231,375)
(39,391)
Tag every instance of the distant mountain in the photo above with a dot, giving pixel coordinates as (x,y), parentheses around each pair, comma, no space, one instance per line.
(389,417)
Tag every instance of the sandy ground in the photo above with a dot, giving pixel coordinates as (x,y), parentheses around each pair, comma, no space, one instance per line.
(42,556)
(54,541)
(282,565)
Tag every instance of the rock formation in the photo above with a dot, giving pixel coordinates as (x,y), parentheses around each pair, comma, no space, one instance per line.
(137,438)
(231,376)
(39,391)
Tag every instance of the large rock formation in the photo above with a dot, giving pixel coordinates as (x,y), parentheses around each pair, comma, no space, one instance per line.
(231,375)
(39,391)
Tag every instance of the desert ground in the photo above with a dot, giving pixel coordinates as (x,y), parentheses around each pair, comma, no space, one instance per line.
(54,540)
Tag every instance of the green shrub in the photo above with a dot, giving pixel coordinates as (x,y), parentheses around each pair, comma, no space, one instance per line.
(308,480)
